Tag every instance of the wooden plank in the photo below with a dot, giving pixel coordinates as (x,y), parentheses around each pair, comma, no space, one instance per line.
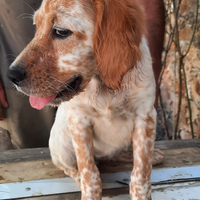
(177,144)
(25,155)
(173,158)
(110,193)
(44,169)
(180,157)
(112,180)
(34,164)
(49,186)
(33,170)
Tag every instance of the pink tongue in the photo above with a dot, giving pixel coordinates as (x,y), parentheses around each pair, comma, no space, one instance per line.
(40,102)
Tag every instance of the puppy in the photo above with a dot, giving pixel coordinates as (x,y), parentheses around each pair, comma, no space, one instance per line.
(91,58)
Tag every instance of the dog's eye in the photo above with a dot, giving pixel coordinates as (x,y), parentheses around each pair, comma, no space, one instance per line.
(58,33)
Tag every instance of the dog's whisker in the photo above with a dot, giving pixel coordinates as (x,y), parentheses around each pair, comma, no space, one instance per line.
(11,55)
(54,88)
(27,15)
(70,89)
(48,109)
(29,6)
(37,92)
(9,59)
(65,85)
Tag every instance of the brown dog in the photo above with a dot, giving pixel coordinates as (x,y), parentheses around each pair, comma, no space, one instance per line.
(91,58)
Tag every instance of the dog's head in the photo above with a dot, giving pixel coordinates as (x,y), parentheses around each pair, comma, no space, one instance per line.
(74,41)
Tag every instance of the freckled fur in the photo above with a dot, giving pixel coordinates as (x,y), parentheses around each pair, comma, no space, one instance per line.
(114,106)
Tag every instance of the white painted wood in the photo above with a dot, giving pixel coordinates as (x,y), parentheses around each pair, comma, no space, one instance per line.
(179,173)
(37,188)
(66,185)
(46,187)
(180,191)
(162,175)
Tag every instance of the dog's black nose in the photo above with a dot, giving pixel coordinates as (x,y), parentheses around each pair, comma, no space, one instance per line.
(16,74)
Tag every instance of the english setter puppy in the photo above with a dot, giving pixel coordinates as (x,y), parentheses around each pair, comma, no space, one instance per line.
(91,58)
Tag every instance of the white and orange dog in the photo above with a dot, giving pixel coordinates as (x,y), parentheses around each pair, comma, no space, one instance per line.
(91,58)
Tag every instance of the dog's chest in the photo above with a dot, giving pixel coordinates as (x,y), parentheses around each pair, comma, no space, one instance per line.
(112,120)
(112,132)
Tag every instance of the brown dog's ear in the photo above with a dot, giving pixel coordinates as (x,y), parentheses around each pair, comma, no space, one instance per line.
(117,36)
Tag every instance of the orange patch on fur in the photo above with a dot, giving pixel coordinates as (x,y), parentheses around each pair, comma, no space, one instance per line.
(117,37)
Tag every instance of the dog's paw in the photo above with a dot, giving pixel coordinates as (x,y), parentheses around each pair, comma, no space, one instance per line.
(158,157)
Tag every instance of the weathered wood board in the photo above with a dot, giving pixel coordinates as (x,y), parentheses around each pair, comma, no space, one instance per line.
(30,172)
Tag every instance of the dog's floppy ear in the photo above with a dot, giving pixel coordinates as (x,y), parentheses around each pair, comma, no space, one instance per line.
(117,36)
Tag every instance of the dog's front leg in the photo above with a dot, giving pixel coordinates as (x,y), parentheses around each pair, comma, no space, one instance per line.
(82,138)
(143,142)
